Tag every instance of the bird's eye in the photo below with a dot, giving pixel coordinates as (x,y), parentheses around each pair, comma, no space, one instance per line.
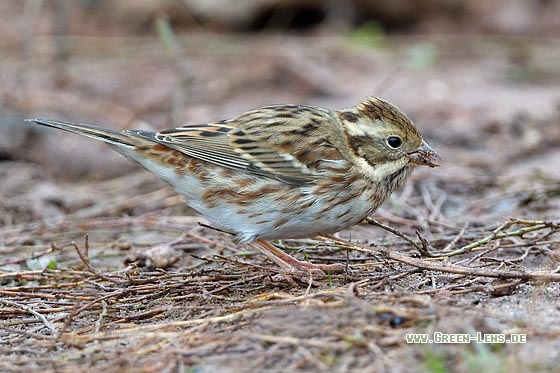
(394,142)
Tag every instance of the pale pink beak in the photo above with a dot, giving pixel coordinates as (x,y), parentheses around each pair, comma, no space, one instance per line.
(425,156)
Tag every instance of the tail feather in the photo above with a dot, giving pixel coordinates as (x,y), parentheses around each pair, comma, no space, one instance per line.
(99,133)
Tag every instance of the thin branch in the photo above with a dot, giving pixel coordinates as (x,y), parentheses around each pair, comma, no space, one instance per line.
(533,225)
(467,271)
(398,233)
(43,319)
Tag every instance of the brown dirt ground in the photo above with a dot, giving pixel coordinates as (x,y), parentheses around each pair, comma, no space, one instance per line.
(102,268)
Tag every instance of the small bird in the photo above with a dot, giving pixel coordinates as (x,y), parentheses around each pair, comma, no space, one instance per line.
(281,171)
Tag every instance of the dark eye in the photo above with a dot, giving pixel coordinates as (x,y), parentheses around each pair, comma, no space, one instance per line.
(394,142)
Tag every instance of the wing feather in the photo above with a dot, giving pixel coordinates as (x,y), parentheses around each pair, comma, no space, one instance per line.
(272,141)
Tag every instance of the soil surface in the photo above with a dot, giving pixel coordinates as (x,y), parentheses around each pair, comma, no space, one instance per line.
(104,268)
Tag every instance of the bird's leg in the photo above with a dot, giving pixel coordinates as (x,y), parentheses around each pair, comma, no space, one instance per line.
(291,264)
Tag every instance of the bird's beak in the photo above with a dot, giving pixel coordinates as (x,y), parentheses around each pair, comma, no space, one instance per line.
(425,156)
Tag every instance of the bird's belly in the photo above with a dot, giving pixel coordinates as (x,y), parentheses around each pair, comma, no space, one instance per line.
(266,218)
(256,207)
(274,210)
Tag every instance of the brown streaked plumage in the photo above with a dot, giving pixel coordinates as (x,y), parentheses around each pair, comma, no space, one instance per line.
(284,171)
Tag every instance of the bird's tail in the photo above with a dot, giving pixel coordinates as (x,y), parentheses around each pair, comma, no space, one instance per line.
(107,135)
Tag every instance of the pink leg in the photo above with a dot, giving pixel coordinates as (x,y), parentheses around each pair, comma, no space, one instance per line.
(290,263)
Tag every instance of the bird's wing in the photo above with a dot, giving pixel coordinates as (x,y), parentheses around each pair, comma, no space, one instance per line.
(285,142)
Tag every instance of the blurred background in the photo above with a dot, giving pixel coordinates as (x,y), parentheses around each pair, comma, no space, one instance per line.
(479,78)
